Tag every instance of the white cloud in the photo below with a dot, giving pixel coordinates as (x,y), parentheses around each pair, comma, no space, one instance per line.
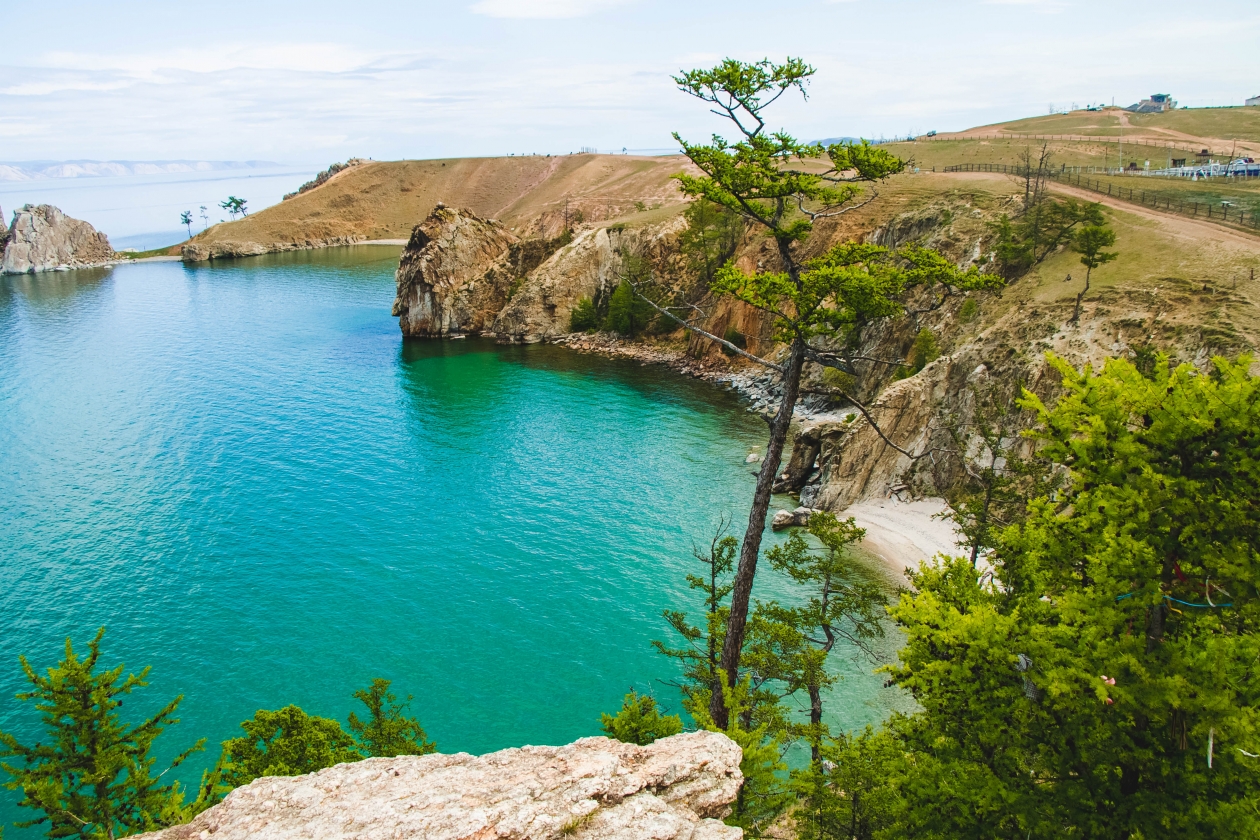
(543,8)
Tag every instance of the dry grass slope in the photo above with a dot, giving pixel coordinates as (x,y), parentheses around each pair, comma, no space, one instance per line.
(385,200)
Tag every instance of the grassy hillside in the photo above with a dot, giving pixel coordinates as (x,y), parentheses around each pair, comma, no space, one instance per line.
(384,200)
(1217,128)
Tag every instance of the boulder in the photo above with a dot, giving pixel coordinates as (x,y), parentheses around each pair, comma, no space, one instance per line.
(798,518)
(675,789)
(42,238)
(454,275)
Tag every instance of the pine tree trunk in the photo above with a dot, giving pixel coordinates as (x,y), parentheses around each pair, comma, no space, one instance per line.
(751,547)
(815,720)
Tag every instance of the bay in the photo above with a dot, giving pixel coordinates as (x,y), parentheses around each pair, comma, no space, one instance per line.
(264,493)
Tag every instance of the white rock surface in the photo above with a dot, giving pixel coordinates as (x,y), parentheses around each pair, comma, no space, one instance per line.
(675,789)
(42,238)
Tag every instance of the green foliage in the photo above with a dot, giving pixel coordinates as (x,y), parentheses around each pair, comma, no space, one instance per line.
(639,721)
(628,314)
(1090,241)
(583,318)
(840,607)
(923,351)
(185,219)
(1038,231)
(764,795)
(93,775)
(640,207)
(387,731)
(713,233)
(998,475)
(1078,688)
(234,205)
(853,792)
(284,742)
(970,309)
(698,657)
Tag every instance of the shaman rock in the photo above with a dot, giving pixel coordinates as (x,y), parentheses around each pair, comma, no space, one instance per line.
(42,238)
(675,789)
(454,275)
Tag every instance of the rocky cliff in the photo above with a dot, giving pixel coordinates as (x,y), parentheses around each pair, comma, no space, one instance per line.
(675,789)
(42,238)
(462,274)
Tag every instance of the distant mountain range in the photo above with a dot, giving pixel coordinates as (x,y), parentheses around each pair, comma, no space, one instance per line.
(38,170)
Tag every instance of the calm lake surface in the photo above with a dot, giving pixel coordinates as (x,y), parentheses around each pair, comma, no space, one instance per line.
(263,492)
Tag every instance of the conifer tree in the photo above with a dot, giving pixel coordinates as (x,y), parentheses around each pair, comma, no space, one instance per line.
(93,775)
(840,606)
(387,731)
(639,721)
(283,742)
(817,307)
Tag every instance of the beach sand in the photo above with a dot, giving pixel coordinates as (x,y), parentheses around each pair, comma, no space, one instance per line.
(904,533)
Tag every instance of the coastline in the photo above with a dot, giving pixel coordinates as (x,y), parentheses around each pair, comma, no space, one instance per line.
(901,534)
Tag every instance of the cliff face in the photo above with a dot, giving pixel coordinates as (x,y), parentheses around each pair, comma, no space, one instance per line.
(462,274)
(675,789)
(42,238)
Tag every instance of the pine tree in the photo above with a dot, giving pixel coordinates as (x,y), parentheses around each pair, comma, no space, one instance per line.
(639,721)
(93,777)
(284,742)
(387,731)
(840,605)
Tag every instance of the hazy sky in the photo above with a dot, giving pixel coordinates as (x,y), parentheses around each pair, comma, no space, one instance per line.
(316,81)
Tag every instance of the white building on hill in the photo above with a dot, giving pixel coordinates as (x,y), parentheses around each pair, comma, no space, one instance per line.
(1253,102)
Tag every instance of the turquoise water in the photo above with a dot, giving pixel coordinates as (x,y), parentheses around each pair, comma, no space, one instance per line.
(266,495)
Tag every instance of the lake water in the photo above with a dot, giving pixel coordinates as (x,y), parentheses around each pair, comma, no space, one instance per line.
(245,473)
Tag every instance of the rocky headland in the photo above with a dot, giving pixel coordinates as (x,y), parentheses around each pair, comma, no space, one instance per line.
(42,238)
(678,788)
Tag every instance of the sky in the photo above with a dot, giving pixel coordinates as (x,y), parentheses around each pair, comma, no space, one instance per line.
(311,82)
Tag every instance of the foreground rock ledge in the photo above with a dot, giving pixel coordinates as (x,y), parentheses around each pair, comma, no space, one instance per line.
(677,788)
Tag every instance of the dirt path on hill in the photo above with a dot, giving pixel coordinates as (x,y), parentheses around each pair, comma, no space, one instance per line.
(1173,223)
(1179,226)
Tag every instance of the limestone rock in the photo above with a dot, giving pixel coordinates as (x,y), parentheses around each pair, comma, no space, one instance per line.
(454,275)
(42,238)
(675,789)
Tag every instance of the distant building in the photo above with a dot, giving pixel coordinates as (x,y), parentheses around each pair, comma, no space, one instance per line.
(1253,102)
(1157,103)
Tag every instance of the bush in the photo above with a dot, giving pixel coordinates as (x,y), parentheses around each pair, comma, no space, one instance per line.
(285,742)
(639,722)
(923,352)
(583,318)
(628,315)
(970,309)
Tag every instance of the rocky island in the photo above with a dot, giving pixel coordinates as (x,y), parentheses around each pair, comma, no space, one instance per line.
(42,238)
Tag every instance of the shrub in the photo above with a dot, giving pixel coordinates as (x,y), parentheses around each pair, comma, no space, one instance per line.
(583,318)
(970,309)
(639,721)
(284,742)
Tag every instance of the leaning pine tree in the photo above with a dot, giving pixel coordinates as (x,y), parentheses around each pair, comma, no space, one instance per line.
(818,307)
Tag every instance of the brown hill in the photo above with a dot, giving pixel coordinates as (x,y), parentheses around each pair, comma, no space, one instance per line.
(385,200)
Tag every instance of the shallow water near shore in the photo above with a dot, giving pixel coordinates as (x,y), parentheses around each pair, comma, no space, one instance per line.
(264,493)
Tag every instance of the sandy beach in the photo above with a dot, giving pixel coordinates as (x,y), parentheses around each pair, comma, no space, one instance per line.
(904,533)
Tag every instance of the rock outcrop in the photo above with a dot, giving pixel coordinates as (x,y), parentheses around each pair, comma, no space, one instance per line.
(454,275)
(228,249)
(42,238)
(675,789)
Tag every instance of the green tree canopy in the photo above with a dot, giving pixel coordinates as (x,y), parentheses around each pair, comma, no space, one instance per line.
(1099,679)
(92,776)
(639,721)
(284,742)
(387,731)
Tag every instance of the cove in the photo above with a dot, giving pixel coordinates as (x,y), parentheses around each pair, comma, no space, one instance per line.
(265,494)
